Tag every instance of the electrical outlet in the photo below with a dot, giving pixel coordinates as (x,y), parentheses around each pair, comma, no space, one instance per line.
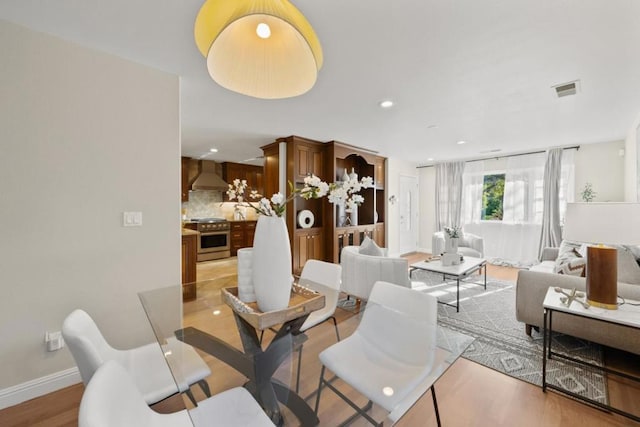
(53,340)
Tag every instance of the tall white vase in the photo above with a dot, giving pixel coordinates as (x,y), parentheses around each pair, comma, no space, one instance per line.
(450,244)
(271,259)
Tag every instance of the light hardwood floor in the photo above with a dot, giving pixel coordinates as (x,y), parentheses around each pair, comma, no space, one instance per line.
(468,394)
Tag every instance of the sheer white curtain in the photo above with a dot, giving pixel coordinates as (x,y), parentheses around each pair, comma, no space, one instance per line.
(448,194)
(551,234)
(472,186)
(515,239)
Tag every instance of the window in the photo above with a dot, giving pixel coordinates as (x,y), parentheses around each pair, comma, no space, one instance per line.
(493,197)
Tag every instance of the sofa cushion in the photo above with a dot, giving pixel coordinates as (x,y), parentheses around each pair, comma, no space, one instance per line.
(544,267)
(628,269)
(569,260)
(369,247)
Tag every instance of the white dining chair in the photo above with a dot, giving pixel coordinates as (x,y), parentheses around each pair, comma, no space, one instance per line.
(329,276)
(390,355)
(112,399)
(146,364)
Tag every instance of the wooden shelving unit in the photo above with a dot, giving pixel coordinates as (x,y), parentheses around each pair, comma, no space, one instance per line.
(299,157)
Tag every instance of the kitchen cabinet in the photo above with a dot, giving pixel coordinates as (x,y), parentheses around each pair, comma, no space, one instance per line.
(253,174)
(310,245)
(189,171)
(241,235)
(189,258)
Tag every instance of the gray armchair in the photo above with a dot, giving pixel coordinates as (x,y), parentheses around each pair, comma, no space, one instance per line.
(468,245)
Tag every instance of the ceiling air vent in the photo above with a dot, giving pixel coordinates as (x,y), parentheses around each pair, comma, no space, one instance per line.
(567,89)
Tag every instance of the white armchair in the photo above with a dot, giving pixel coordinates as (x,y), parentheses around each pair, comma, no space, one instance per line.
(360,272)
(468,245)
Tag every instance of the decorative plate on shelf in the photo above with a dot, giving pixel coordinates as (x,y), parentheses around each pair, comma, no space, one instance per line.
(305,218)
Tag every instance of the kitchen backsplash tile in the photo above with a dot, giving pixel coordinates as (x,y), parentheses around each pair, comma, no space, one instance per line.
(208,204)
(203,204)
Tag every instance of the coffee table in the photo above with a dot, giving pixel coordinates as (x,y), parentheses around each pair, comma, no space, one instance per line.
(458,272)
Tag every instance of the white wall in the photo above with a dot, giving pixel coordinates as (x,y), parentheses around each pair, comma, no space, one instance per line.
(427,185)
(84,136)
(631,163)
(602,165)
(395,168)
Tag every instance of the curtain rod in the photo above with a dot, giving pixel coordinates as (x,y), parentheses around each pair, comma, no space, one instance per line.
(573,147)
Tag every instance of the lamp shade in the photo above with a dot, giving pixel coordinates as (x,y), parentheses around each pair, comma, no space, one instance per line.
(612,223)
(280,60)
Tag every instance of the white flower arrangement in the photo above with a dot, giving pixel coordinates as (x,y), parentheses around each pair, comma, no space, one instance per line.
(313,188)
(452,232)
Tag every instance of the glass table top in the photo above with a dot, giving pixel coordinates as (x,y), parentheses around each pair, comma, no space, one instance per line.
(211,316)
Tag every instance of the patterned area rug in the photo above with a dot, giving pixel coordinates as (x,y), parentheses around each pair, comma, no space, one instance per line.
(501,342)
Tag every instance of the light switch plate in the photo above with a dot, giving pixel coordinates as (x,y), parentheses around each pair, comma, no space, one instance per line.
(132,219)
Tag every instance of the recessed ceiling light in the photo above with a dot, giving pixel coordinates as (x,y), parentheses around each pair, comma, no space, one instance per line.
(461,142)
(213,150)
(386,103)
(430,159)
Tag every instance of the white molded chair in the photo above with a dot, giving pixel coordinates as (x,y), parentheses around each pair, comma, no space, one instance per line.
(468,245)
(146,364)
(328,275)
(112,399)
(389,358)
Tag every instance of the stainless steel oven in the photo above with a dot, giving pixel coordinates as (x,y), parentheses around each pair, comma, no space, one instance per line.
(213,240)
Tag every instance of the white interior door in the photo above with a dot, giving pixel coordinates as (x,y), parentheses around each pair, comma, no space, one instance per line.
(408,211)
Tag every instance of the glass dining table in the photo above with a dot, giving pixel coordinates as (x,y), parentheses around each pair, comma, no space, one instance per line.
(244,347)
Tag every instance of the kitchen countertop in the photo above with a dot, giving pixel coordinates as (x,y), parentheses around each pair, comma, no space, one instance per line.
(187,232)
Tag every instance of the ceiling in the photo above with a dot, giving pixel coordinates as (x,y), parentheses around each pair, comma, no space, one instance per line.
(480,71)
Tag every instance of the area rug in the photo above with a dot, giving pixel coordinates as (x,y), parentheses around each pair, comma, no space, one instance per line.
(501,342)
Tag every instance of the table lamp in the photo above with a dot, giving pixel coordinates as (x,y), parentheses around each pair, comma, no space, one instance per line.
(599,224)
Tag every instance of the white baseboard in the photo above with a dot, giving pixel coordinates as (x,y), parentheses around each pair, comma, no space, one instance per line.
(38,387)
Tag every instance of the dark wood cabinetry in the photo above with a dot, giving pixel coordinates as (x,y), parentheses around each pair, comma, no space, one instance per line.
(253,174)
(189,171)
(241,235)
(189,257)
(309,244)
(302,157)
(307,160)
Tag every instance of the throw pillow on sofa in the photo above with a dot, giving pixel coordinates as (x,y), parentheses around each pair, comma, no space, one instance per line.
(569,260)
(369,247)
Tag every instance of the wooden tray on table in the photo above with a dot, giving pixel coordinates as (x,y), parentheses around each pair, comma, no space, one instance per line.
(303,301)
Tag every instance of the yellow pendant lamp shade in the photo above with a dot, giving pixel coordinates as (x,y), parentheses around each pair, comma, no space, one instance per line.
(261,48)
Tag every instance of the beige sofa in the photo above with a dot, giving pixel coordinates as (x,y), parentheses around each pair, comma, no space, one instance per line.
(532,285)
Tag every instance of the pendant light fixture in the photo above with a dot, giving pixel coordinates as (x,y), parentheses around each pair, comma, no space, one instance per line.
(260,48)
